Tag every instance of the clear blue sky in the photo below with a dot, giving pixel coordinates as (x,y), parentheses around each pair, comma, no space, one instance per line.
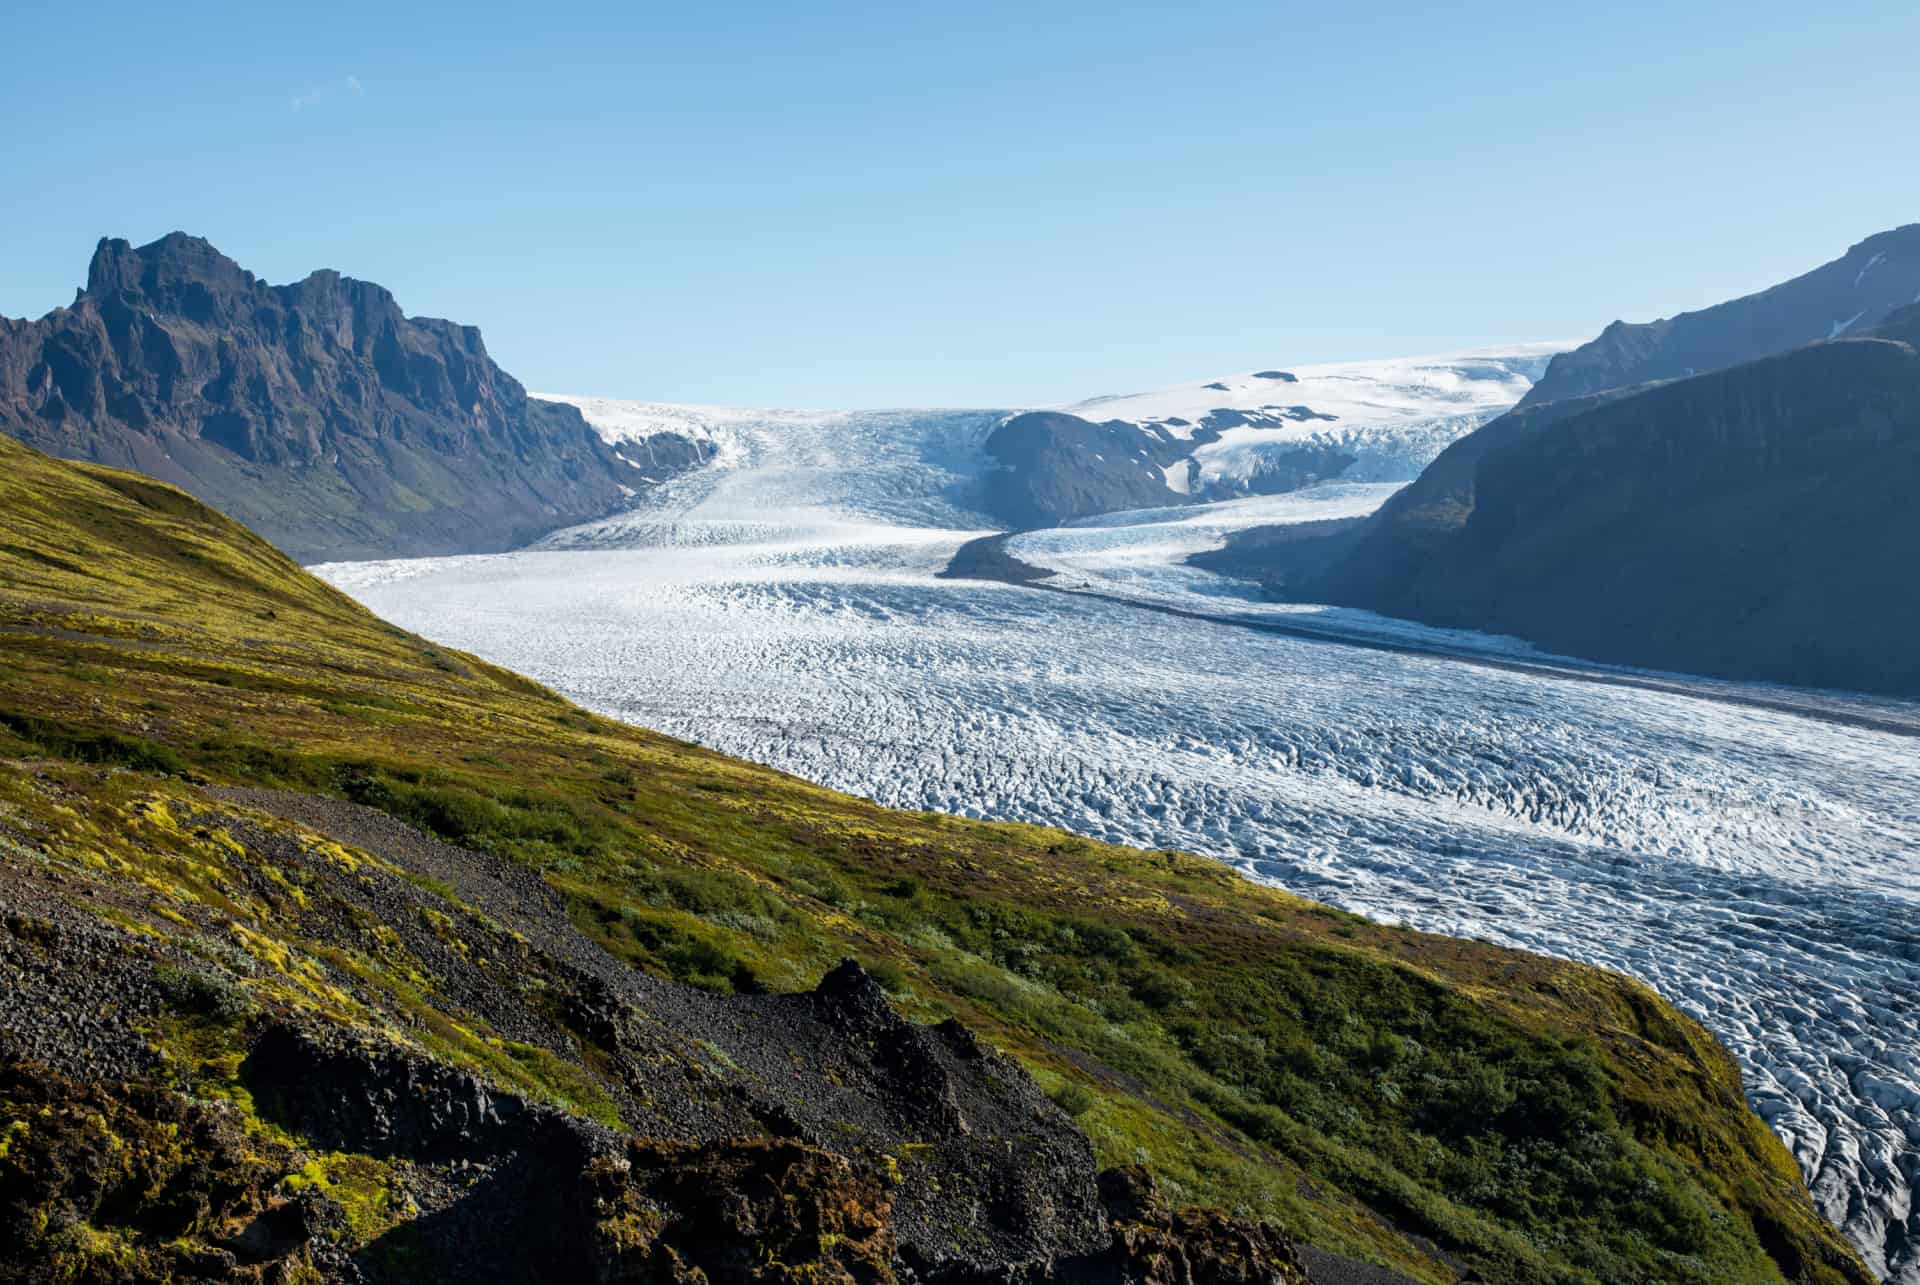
(979,203)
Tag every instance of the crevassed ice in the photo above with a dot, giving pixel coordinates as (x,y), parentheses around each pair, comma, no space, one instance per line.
(1757,866)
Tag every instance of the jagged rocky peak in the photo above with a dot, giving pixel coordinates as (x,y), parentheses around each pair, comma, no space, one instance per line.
(852,992)
(177,272)
(318,411)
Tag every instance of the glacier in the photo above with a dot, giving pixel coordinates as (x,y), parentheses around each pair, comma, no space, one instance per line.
(1753,853)
(1391,416)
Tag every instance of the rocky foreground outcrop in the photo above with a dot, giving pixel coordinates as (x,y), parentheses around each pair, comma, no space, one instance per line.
(333,1136)
(317,412)
(158,1120)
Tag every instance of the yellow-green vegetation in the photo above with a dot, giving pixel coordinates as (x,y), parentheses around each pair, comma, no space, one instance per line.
(360,1185)
(1376,1091)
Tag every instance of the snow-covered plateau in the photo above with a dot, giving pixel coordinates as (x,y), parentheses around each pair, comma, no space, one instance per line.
(1392,416)
(1752,853)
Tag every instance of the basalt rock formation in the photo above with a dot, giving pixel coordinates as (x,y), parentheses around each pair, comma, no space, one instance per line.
(316,412)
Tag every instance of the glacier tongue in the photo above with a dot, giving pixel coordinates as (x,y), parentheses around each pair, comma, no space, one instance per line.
(1760,867)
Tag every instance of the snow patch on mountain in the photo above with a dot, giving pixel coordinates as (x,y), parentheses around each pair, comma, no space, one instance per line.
(1394,415)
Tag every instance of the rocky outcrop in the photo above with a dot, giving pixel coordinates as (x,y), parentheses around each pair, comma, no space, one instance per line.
(129,1180)
(316,412)
(1054,468)
(1852,294)
(817,1133)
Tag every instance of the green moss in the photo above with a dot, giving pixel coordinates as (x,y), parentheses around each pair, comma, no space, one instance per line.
(362,1186)
(566,1083)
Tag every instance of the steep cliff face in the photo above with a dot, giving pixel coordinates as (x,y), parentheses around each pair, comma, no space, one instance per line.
(1758,522)
(317,412)
(1754,523)
(1845,297)
(1376,561)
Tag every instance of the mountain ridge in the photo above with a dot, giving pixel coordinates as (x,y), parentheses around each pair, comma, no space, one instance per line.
(317,411)
(1262,432)
(1750,522)
(1874,278)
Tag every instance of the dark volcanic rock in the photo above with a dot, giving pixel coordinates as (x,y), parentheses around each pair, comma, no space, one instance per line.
(1056,467)
(316,412)
(1758,523)
(946,1108)
(1151,1243)
(130,1182)
(1276,472)
(1853,293)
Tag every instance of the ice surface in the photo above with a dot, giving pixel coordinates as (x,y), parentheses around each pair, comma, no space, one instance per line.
(1393,415)
(1760,867)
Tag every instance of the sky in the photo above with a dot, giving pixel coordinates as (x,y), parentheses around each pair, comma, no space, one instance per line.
(983,204)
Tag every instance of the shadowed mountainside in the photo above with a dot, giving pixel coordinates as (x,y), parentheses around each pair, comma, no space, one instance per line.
(1055,467)
(316,412)
(1755,523)
(328,950)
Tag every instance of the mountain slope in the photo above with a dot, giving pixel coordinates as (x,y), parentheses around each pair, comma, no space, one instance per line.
(1853,293)
(259,848)
(316,412)
(1753,523)
(1378,559)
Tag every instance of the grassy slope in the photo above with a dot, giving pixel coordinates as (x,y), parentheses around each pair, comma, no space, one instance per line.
(1377,1091)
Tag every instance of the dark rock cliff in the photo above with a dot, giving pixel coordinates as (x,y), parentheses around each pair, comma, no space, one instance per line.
(1055,468)
(316,412)
(1753,523)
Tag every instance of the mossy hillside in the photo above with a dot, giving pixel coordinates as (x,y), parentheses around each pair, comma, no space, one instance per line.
(1373,1089)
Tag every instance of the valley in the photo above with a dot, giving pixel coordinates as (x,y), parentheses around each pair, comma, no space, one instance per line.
(1753,861)
(1148,645)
